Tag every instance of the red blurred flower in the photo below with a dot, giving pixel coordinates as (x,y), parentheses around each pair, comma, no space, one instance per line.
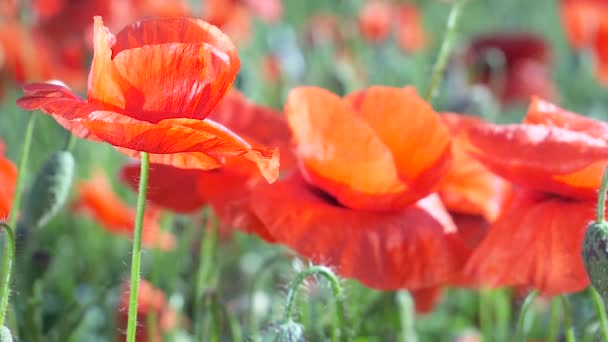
(556,158)
(8,179)
(515,66)
(97,199)
(379,18)
(361,202)
(150,300)
(225,189)
(581,19)
(150,87)
(234,16)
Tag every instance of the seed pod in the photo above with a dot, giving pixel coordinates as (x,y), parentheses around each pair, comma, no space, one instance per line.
(595,256)
(285,332)
(5,334)
(49,190)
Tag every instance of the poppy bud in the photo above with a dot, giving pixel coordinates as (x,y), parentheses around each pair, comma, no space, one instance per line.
(5,334)
(595,256)
(49,190)
(285,332)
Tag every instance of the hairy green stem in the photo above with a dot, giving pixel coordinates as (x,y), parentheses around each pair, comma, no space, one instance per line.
(520,333)
(336,289)
(7,276)
(136,253)
(570,337)
(601,199)
(446,47)
(204,272)
(598,303)
(407,316)
(9,246)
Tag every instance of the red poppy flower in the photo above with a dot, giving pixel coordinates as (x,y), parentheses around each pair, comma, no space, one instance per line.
(557,159)
(234,16)
(375,20)
(600,45)
(581,19)
(8,179)
(128,105)
(361,202)
(225,189)
(515,66)
(97,199)
(410,32)
(149,300)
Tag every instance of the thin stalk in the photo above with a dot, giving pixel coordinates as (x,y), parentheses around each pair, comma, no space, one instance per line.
(601,199)
(520,333)
(7,276)
(336,289)
(136,253)
(485,313)
(407,316)
(203,274)
(553,321)
(570,337)
(9,246)
(446,47)
(598,303)
(70,141)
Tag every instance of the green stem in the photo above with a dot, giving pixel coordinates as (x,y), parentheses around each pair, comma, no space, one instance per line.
(601,199)
(520,333)
(136,253)
(553,321)
(69,142)
(598,303)
(204,272)
(7,276)
(407,315)
(336,289)
(570,337)
(9,246)
(446,47)
(485,313)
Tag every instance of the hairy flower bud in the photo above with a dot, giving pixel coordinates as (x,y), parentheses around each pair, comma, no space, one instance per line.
(285,332)
(49,190)
(5,334)
(595,256)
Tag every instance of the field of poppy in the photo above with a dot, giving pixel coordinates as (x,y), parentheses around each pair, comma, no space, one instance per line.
(303,170)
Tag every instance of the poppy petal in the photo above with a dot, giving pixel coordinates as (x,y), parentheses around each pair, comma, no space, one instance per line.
(61,103)
(8,179)
(256,124)
(162,68)
(536,156)
(541,237)
(168,187)
(411,248)
(340,152)
(405,122)
(176,137)
(469,187)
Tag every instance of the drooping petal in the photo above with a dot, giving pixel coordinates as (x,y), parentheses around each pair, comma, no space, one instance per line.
(541,237)
(210,142)
(258,125)
(411,248)
(469,187)
(163,68)
(65,107)
(542,157)
(169,187)
(341,153)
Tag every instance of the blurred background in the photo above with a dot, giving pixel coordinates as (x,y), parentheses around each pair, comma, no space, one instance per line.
(504,52)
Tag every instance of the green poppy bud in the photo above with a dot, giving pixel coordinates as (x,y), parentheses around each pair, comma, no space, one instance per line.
(5,335)
(286,332)
(49,190)
(595,256)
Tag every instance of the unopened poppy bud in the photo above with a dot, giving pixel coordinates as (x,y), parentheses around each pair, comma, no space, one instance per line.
(595,256)
(285,332)
(5,334)
(49,190)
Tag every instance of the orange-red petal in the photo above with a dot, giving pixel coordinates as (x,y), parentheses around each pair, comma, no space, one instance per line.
(342,154)
(8,179)
(541,237)
(174,139)
(414,248)
(163,68)
(541,157)
(469,187)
